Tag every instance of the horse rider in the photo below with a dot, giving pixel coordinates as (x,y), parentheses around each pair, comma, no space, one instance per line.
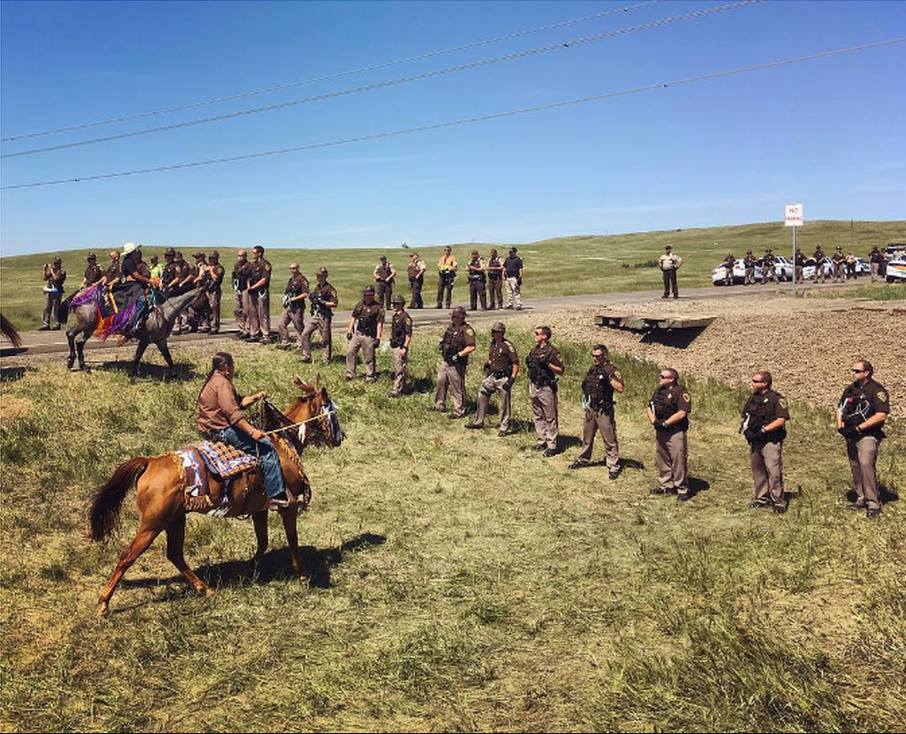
(220,419)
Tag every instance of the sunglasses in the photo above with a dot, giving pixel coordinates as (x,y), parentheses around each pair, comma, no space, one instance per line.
(666,377)
(860,371)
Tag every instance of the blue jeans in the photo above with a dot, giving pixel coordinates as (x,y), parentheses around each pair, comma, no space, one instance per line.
(267,456)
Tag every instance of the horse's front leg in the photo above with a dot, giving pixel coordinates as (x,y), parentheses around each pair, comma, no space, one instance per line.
(139,351)
(70,337)
(176,536)
(289,515)
(165,352)
(80,340)
(260,520)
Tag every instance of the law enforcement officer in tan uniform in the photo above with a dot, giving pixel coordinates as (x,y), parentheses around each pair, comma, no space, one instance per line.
(768,267)
(400,340)
(384,275)
(294,296)
(818,256)
(764,418)
(863,409)
(323,300)
(259,290)
(365,330)
(415,271)
(544,364)
(455,346)
(214,290)
(669,263)
(668,412)
(241,303)
(477,283)
(598,387)
(495,280)
(500,370)
(838,262)
(93,272)
(749,267)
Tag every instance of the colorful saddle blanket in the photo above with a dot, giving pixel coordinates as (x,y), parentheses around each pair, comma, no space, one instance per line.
(220,459)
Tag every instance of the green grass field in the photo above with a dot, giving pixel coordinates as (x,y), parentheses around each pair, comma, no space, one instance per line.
(460,581)
(562,266)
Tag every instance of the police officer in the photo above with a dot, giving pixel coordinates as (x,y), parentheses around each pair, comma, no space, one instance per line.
(495,280)
(764,418)
(457,343)
(323,300)
(260,298)
(114,270)
(875,260)
(818,256)
(477,283)
(384,274)
(400,340)
(500,370)
(768,267)
(748,263)
(198,313)
(544,365)
(54,277)
(294,296)
(241,303)
(799,266)
(598,387)
(415,270)
(669,263)
(668,412)
(729,262)
(863,409)
(214,289)
(92,272)
(512,271)
(365,330)
(838,261)
(446,274)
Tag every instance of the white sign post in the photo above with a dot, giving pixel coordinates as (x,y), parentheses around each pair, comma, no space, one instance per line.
(793,217)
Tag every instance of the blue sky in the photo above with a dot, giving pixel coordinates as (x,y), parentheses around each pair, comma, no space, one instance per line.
(828,133)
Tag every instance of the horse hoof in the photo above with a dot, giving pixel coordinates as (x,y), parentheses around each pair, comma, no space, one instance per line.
(103,609)
(208,591)
(70,363)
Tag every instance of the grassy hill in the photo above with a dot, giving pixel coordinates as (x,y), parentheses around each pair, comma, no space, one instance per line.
(564,265)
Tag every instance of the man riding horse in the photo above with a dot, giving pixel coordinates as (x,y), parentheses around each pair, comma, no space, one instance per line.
(220,419)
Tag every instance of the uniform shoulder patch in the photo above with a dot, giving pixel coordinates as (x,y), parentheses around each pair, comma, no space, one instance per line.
(617,375)
(782,403)
(687,397)
(470,331)
(882,395)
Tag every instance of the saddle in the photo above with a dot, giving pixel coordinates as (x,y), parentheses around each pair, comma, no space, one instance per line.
(211,463)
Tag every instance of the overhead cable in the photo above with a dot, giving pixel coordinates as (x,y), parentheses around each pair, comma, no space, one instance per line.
(400,80)
(329,77)
(467,120)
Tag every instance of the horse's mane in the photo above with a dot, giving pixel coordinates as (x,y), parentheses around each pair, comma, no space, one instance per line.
(10,331)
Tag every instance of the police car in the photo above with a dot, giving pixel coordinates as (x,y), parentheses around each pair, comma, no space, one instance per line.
(783,270)
(808,270)
(896,270)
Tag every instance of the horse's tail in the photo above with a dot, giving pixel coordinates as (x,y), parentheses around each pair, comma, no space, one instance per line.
(105,507)
(9,331)
(64,308)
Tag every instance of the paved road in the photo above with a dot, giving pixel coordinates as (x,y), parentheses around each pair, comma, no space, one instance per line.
(44,342)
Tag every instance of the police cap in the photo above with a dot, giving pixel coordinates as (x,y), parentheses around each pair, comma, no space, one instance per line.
(368,289)
(498,326)
(58,261)
(322,271)
(397,299)
(169,252)
(459,311)
(213,255)
(92,257)
(198,255)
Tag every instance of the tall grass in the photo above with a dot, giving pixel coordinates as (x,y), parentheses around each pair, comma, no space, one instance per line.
(459,580)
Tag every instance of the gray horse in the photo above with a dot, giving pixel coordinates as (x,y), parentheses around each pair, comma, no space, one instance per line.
(156,330)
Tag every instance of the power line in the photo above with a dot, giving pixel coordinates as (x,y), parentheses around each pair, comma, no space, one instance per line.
(468,120)
(328,77)
(399,80)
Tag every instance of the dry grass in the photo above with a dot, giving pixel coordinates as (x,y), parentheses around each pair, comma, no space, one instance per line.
(460,581)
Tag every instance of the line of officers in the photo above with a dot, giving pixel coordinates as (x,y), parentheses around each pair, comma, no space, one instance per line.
(861,413)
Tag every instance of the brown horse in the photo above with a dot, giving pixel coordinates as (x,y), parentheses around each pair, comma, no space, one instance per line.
(161,494)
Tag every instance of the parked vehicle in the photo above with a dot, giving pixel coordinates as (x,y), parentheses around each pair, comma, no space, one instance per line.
(783,269)
(896,270)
